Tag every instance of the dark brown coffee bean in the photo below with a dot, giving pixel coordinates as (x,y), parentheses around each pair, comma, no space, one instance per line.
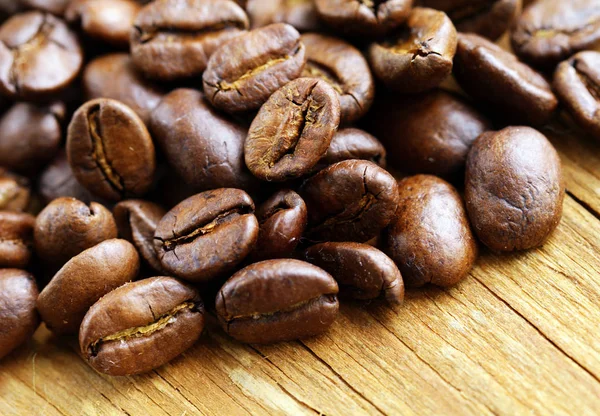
(487,18)
(30,136)
(137,221)
(113,76)
(16,239)
(39,56)
(108,21)
(514,188)
(277,300)
(427,133)
(364,17)
(345,69)
(207,234)
(577,84)
(552,30)
(361,271)
(494,76)
(83,280)
(420,57)
(241,75)
(15,192)
(302,14)
(351,143)
(349,201)
(202,145)
(174,39)
(110,150)
(67,226)
(141,326)
(18,317)
(292,130)
(282,220)
(56,7)
(430,239)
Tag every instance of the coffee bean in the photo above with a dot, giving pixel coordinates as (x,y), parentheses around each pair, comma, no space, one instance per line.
(345,69)
(241,75)
(137,220)
(349,201)
(14,192)
(83,280)
(427,133)
(514,188)
(202,145)
(16,239)
(577,84)
(207,234)
(430,239)
(110,150)
(113,76)
(277,300)
(141,326)
(292,130)
(361,271)
(302,14)
(67,226)
(174,39)
(351,143)
(420,57)
(18,317)
(39,56)
(56,7)
(496,77)
(552,30)
(364,17)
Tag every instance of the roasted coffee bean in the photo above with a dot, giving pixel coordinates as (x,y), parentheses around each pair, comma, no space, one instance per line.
(488,18)
(67,226)
(420,57)
(207,234)
(552,30)
(430,239)
(39,56)
(282,220)
(14,192)
(345,69)
(141,326)
(241,75)
(110,150)
(352,143)
(302,14)
(277,300)
(292,130)
(174,39)
(56,7)
(577,84)
(108,21)
(30,135)
(113,76)
(349,201)
(83,280)
(364,17)
(427,133)
(16,239)
(514,188)
(361,271)
(202,145)
(57,180)
(494,76)
(18,317)
(137,221)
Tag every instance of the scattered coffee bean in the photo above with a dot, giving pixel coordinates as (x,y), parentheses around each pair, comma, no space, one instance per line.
(302,14)
(14,192)
(351,143)
(16,239)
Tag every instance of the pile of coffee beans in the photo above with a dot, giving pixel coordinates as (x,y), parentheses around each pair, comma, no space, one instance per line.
(167,162)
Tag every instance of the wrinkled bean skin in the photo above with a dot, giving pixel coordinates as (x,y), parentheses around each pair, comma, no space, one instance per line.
(242,75)
(302,14)
(18,316)
(57,180)
(352,143)
(277,300)
(363,272)
(207,234)
(292,130)
(174,39)
(141,326)
(14,192)
(492,75)
(514,188)
(349,201)
(430,239)
(16,239)
(83,280)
